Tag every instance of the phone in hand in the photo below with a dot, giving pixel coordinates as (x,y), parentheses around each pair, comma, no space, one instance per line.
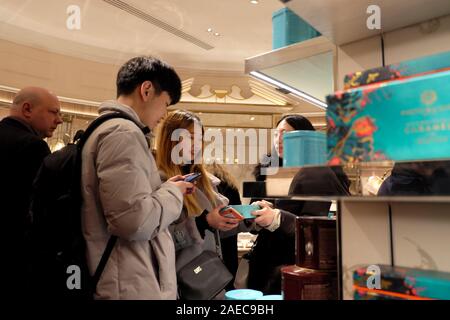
(239,211)
(230,212)
(192,177)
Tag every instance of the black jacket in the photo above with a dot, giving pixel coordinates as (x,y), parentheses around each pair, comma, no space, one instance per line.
(418,178)
(21,154)
(273,250)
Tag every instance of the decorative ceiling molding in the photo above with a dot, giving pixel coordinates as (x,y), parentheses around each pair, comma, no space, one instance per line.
(262,94)
(68,105)
(186,85)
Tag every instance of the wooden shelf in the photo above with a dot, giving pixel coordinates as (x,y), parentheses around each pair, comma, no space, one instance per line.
(345,21)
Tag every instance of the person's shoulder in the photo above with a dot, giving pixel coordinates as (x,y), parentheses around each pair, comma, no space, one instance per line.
(118,129)
(15,130)
(30,140)
(118,125)
(38,147)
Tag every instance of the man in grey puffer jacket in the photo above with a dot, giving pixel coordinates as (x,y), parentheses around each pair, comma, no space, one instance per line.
(122,191)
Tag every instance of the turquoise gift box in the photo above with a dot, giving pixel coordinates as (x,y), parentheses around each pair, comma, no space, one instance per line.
(401,120)
(402,283)
(415,67)
(288,28)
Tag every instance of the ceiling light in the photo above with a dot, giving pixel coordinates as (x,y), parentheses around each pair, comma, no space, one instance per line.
(217,34)
(209,29)
(254,1)
(252,118)
(298,93)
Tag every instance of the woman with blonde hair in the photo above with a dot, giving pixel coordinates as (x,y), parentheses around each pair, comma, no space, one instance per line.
(196,229)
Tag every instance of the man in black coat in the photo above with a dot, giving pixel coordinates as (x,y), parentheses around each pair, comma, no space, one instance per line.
(34,115)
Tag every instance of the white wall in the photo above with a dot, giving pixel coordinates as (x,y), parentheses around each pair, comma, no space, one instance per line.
(403,44)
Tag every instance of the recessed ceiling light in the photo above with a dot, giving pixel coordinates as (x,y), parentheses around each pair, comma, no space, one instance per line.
(217,34)
(254,1)
(209,29)
(252,118)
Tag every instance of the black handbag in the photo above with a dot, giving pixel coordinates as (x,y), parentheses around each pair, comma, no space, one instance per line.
(203,277)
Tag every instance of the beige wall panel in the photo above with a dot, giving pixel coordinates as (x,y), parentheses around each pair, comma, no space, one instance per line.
(66,76)
(358,56)
(364,238)
(421,235)
(417,41)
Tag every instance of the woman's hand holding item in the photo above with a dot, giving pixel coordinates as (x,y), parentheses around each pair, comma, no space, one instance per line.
(219,222)
(185,187)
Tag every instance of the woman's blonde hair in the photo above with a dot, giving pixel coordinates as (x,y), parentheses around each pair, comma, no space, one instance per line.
(181,119)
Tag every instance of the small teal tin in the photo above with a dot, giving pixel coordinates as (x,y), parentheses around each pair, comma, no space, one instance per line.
(304,147)
(271,297)
(243,294)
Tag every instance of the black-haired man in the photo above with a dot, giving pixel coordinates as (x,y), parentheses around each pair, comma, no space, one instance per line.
(122,191)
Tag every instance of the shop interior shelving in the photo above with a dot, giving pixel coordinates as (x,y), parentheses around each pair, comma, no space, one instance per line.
(408,231)
(308,66)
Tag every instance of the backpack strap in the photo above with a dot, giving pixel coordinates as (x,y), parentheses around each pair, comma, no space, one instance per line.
(112,239)
(102,264)
(100,120)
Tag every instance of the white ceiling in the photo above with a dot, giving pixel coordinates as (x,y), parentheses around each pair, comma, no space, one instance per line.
(111,35)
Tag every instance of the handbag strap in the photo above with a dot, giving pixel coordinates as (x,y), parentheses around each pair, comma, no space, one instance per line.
(218,244)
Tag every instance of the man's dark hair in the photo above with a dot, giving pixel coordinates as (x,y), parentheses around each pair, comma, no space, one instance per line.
(297,122)
(139,69)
